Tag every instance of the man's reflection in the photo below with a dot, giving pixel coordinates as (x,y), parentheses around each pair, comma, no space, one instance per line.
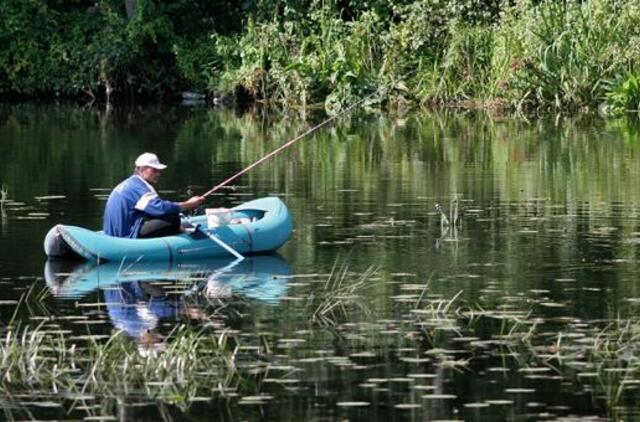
(137,302)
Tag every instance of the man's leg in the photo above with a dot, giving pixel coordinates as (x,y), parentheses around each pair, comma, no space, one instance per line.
(159,227)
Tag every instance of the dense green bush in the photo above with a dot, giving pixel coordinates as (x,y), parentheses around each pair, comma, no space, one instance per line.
(323,59)
(517,53)
(624,96)
(566,54)
(73,47)
(529,54)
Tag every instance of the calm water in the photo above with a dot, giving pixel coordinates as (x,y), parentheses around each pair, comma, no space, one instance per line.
(548,245)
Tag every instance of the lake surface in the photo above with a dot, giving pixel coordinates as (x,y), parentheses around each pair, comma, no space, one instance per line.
(525,308)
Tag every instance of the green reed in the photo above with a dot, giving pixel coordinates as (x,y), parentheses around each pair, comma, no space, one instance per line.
(189,361)
(566,54)
(340,294)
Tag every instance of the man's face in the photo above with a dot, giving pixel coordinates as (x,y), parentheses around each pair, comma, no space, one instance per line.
(150,174)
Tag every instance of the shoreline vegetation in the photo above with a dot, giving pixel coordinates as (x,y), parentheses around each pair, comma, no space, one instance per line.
(518,55)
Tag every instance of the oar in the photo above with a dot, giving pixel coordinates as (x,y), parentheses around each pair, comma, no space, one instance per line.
(214,238)
(224,245)
(196,286)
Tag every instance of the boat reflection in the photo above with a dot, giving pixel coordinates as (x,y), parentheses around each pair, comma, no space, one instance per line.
(138,295)
(261,277)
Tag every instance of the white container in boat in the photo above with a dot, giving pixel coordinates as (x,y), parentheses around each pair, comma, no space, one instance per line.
(217,217)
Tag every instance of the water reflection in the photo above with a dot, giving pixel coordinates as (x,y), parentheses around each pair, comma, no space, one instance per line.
(138,295)
(260,277)
(550,239)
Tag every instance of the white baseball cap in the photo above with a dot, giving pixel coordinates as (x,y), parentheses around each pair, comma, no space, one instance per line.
(149,159)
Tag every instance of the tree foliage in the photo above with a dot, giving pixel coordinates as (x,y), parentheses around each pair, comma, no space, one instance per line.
(522,53)
(66,48)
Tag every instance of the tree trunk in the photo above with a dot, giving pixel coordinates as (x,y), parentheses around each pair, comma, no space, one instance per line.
(108,88)
(130,5)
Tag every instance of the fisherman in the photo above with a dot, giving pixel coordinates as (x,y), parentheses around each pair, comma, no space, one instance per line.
(135,210)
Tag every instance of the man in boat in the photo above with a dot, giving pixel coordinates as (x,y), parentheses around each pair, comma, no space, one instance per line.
(134,208)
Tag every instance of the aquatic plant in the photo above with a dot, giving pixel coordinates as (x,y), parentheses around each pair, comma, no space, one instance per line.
(455,214)
(339,295)
(193,360)
(4,192)
(614,354)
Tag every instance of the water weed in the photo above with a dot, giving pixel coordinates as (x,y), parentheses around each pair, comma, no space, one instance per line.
(189,361)
(339,295)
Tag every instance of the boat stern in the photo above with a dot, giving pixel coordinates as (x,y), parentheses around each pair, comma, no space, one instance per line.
(59,243)
(54,244)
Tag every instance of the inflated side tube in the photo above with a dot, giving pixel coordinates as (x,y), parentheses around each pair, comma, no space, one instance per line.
(55,245)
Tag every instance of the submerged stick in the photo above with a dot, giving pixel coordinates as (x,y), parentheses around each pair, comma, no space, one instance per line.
(4,192)
(444,220)
(454,218)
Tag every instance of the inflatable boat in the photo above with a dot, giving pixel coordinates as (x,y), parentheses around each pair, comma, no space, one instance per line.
(263,226)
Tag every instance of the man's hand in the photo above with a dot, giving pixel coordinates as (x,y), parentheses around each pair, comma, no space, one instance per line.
(191,203)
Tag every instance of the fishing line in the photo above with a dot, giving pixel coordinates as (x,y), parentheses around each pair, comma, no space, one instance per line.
(293,141)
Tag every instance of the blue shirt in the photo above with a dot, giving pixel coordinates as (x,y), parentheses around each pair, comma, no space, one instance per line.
(129,202)
(134,311)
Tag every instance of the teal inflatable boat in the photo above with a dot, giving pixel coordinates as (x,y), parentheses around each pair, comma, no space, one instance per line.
(263,225)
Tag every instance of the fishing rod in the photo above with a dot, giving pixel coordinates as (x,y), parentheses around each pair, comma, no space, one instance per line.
(235,253)
(288,144)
